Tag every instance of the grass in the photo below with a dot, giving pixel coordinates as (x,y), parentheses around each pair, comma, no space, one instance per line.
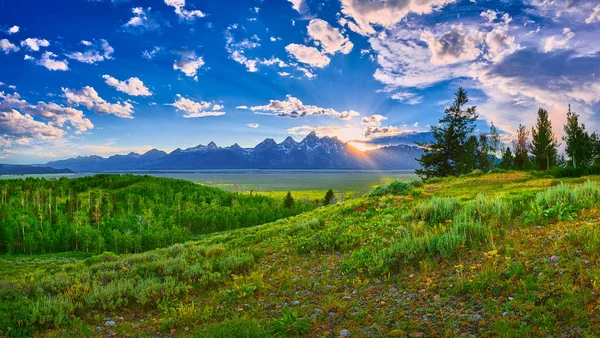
(505,254)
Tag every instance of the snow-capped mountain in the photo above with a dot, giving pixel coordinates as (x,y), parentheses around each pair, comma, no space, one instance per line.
(312,152)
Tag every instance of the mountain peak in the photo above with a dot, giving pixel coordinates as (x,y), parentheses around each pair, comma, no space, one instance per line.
(212,145)
(267,143)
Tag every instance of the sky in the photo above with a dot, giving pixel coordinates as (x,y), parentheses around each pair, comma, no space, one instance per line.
(104,77)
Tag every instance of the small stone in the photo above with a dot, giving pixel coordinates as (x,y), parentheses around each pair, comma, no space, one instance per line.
(110,323)
(331,314)
(411,276)
(347,297)
(345,333)
(554,259)
(98,328)
(510,298)
(329,287)
(393,290)
(476,317)
(504,314)
(317,310)
(296,302)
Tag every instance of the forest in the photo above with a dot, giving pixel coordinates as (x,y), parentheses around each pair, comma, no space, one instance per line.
(124,213)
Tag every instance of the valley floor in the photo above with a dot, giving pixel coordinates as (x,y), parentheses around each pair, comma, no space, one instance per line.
(507,254)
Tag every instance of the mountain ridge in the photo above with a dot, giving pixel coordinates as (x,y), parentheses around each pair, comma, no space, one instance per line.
(312,152)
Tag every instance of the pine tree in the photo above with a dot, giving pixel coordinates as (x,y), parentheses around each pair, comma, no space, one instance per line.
(445,155)
(495,141)
(288,202)
(507,159)
(520,147)
(543,142)
(579,143)
(329,196)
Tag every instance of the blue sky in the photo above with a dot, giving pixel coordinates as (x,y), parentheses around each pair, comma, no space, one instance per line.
(81,77)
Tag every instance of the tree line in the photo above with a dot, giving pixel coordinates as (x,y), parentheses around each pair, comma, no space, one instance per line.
(123,213)
(456,150)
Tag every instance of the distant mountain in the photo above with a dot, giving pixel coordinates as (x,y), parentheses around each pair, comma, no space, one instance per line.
(312,152)
(16,169)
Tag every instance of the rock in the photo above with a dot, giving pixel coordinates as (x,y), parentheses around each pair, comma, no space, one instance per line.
(504,314)
(110,323)
(296,302)
(476,317)
(329,287)
(331,314)
(347,297)
(393,290)
(345,333)
(98,328)
(317,310)
(554,259)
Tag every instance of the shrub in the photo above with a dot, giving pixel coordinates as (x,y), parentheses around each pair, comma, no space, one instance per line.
(289,324)
(436,210)
(394,188)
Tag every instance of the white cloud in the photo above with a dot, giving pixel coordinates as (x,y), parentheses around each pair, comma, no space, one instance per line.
(241,107)
(91,56)
(373,120)
(89,98)
(307,55)
(490,15)
(132,86)
(52,112)
(141,21)
(50,63)
(182,12)
(406,97)
(454,46)
(7,46)
(151,53)
(34,43)
(22,128)
(328,37)
(594,16)
(500,44)
(13,29)
(386,13)
(299,5)
(189,64)
(555,42)
(252,125)
(194,109)
(294,108)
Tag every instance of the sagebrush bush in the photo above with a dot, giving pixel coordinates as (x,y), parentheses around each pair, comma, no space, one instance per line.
(436,210)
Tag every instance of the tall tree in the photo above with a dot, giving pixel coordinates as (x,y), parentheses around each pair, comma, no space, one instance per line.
(495,141)
(507,159)
(445,155)
(543,142)
(578,141)
(288,201)
(329,196)
(520,148)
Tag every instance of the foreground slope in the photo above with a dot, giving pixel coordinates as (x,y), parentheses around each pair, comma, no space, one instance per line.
(502,254)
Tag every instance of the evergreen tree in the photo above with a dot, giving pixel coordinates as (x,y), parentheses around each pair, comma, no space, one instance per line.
(445,155)
(543,142)
(329,196)
(507,159)
(520,147)
(288,202)
(578,141)
(484,153)
(495,141)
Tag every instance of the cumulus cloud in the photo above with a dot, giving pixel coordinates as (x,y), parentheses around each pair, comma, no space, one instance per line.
(13,29)
(308,55)
(294,108)
(23,128)
(328,37)
(237,50)
(35,44)
(253,125)
(7,46)
(50,63)
(189,64)
(195,109)
(299,5)
(150,54)
(453,46)
(182,12)
(555,42)
(52,112)
(91,56)
(594,16)
(142,20)
(499,44)
(364,14)
(89,98)
(132,86)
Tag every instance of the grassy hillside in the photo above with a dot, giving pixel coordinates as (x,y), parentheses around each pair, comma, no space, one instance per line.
(508,254)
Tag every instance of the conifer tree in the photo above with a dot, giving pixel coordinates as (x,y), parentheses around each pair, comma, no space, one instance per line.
(578,146)
(543,142)
(520,147)
(329,196)
(288,202)
(445,155)
(507,159)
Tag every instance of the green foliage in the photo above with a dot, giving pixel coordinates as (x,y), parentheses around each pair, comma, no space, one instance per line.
(239,328)
(560,202)
(289,324)
(122,213)
(329,197)
(544,144)
(288,202)
(579,144)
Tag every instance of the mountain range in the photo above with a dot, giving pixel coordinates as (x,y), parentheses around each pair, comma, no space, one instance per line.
(312,152)
(18,169)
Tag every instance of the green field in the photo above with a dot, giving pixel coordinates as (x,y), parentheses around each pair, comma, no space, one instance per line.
(510,254)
